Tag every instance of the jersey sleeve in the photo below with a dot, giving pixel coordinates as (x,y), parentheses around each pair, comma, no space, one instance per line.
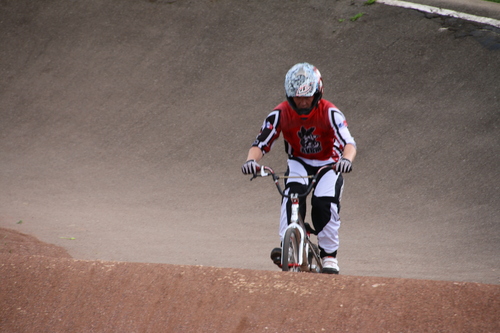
(269,132)
(342,134)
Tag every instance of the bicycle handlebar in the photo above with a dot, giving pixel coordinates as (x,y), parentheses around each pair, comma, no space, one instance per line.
(264,171)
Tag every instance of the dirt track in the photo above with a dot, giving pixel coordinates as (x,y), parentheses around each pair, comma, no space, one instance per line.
(124,125)
(50,292)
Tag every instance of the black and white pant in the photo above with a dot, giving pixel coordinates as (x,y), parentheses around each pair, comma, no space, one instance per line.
(325,203)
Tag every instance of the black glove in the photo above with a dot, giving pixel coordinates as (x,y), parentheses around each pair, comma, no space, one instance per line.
(344,165)
(250,167)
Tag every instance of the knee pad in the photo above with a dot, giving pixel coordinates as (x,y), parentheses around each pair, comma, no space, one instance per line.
(321,212)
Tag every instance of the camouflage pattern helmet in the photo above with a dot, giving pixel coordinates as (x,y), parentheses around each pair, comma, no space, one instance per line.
(303,80)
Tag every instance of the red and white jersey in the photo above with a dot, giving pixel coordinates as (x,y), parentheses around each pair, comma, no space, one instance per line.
(319,136)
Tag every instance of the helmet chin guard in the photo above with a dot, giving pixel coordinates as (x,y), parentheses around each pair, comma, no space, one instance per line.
(303,80)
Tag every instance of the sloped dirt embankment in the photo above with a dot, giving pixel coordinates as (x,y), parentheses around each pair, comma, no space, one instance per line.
(43,289)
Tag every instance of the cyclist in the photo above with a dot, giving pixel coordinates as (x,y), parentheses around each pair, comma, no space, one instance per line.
(315,134)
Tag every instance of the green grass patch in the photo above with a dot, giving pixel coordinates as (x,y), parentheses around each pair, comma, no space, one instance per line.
(497,1)
(356,17)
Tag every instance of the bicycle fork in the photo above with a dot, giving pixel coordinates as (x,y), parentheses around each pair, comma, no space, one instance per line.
(303,247)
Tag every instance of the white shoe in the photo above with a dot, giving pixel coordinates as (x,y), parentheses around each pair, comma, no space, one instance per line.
(330,265)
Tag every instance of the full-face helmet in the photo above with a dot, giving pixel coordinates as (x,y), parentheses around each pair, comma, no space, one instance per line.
(303,80)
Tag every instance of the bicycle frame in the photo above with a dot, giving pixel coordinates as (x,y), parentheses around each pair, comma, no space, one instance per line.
(297,228)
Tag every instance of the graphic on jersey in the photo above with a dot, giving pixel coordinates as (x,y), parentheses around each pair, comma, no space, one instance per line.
(308,142)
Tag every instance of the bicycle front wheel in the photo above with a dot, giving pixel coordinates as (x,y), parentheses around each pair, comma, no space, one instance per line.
(291,251)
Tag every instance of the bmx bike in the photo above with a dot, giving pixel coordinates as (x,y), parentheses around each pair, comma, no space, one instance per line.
(298,252)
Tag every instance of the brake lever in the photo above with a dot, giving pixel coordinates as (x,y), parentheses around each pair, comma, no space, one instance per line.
(262,171)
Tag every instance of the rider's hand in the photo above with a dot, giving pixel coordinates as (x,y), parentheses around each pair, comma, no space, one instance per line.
(344,165)
(250,167)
